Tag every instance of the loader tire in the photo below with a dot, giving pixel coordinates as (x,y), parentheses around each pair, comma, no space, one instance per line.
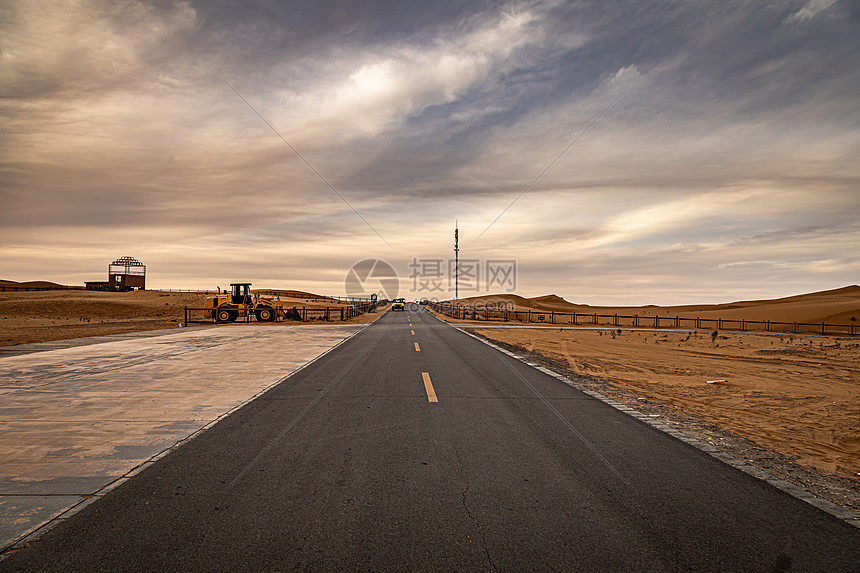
(227,315)
(264,314)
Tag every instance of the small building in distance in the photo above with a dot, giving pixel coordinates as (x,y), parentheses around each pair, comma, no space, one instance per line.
(124,274)
(97,285)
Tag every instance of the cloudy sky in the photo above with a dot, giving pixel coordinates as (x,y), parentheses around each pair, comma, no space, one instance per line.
(637,152)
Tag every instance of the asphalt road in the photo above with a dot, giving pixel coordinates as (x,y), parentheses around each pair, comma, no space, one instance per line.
(350,466)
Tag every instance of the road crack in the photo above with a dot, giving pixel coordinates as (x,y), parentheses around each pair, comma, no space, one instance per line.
(465,479)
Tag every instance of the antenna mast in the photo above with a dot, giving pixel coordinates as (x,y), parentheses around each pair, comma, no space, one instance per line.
(456,261)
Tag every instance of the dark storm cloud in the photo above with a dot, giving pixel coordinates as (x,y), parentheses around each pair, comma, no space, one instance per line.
(713,65)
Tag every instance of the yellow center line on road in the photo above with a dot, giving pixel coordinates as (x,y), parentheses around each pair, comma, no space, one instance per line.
(417,348)
(428,386)
(413,332)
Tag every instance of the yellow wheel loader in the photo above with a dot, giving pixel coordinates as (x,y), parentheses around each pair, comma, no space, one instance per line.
(240,302)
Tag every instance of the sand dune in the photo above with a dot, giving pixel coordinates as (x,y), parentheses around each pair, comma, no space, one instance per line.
(34,285)
(837,306)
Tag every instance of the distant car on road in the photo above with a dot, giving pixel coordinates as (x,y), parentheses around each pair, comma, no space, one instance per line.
(398,304)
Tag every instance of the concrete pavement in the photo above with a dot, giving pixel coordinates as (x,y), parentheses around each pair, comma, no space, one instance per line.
(78,415)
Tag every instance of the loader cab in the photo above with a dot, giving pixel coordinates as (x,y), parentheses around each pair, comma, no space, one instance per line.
(241,293)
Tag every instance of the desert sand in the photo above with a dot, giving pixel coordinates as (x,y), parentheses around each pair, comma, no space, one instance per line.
(40,316)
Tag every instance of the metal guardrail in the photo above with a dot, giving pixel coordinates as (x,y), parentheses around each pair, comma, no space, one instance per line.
(300,314)
(579,318)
